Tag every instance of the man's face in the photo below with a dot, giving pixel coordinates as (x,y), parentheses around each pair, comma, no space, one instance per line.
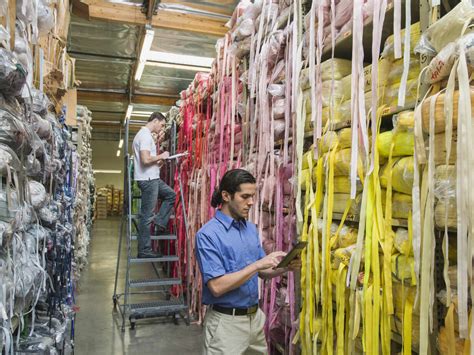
(242,201)
(158,125)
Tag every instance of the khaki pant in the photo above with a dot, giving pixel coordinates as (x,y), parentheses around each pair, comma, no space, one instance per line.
(234,335)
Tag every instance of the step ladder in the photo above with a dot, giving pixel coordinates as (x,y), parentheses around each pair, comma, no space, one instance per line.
(159,287)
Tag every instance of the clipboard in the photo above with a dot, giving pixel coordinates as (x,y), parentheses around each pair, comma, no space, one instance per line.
(292,254)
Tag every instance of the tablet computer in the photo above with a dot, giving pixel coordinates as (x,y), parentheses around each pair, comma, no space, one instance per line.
(292,254)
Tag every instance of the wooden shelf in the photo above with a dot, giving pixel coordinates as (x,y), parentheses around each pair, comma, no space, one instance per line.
(343,45)
(396,222)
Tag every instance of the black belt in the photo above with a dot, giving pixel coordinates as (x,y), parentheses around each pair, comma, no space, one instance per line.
(236,311)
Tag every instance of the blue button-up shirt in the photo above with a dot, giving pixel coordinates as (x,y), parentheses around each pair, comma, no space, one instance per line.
(225,246)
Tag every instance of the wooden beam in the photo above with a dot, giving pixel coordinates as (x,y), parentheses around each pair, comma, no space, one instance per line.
(130,14)
(117,97)
(12,19)
(187,22)
(193,5)
(151,8)
(80,9)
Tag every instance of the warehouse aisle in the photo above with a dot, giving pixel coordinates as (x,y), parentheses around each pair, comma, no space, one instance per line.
(98,326)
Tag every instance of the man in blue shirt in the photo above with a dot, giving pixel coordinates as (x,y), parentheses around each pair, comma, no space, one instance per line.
(231,259)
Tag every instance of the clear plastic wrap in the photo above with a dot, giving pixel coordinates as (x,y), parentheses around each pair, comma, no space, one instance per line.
(404,143)
(402,175)
(347,236)
(441,65)
(279,128)
(12,74)
(449,27)
(42,127)
(342,68)
(329,140)
(9,204)
(279,108)
(440,149)
(244,29)
(403,269)
(401,242)
(38,194)
(46,19)
(40,103)
(446,206)
(389,48)
(13,132)
(404,121)
(342,256)
(276,90)
(401,204)
(445,182)
(23,53)
(242,48)
(439,115)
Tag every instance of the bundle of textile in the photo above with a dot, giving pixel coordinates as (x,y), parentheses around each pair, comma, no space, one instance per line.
(443,174)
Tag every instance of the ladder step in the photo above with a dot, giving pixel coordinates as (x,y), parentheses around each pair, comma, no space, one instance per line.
(156,308)
(135,217)
(155,282)
(163,259)
(158,237)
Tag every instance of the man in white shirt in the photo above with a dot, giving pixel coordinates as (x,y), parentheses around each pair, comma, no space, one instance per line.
(147,173)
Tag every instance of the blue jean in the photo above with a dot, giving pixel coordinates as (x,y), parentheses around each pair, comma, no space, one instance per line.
(151,190)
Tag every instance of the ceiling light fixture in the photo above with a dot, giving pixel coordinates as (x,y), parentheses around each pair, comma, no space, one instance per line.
(128,114)
(144,52)
(99,171)
(173,58)
(179,66)
(118,152)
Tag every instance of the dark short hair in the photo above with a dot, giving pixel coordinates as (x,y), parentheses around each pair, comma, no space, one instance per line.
(157,116)
(231,182)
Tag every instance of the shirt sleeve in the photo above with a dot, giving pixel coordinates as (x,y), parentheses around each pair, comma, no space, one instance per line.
(145,143)
(209,258)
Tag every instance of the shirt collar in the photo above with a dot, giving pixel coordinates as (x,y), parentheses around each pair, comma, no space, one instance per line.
(227,221)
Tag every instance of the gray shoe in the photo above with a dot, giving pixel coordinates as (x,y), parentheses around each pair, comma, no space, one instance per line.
(148,254)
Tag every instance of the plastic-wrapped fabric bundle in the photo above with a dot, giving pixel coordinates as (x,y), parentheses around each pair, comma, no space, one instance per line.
(439,115)
(340,203)
(404,121)
(391,93)
(445,182)
(396,70)
(440,149)
(442,206)
(404,143)
(9,205)
(403,269)
(38,194)
(347,236)
(46,18)
(402,175)
(42,126)
(342,256)
(342,68)
(384,67)
(401,204)
(447,29)
(305,174)
(12,74)
(401,242)
(40,102)
(342,162)
(23,52)
(13,132)
(441,65)
(389,48)
(342,184)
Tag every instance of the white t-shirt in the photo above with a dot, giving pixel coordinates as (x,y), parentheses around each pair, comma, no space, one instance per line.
(144,141)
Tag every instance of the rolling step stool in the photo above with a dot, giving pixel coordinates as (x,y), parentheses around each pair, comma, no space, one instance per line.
(168,304)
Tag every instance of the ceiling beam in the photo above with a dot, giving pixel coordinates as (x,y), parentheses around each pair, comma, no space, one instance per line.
(118,12)
(117,97)
(199,7)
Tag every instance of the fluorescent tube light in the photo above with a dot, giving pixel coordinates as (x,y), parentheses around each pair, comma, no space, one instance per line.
(142,113)
(173,58)
(120,143)
(99,171)
(179,66)
(144,52)
(118,152)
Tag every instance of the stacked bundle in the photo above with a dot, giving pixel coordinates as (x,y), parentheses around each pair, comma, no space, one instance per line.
(240,115)
(39,169)
(445,117)
(83,180)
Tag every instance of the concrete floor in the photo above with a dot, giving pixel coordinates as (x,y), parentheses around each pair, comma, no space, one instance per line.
(98,326)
